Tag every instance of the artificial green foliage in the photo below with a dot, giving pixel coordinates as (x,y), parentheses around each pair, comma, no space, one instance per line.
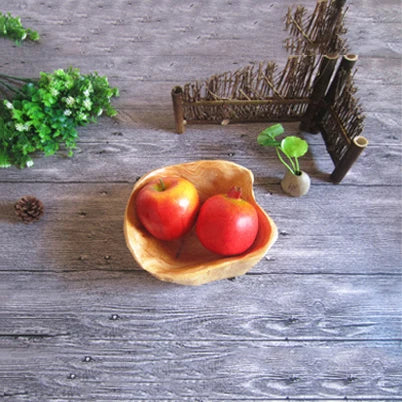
(44,114)
(294,147)
(291,147)
(12,28)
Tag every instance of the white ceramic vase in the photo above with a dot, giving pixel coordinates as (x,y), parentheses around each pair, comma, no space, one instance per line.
(295,185)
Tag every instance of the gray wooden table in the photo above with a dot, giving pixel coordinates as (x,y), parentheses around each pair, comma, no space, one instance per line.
(319,318)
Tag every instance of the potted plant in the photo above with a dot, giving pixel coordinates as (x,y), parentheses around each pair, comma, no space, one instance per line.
(295,182)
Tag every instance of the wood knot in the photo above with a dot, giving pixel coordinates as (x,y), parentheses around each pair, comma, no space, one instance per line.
(350,379)
(293,379)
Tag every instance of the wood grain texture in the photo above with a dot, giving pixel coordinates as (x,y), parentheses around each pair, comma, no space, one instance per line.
(227,334)
(79,305)
(223,371)
(73,233)
(318,318)
(137,152)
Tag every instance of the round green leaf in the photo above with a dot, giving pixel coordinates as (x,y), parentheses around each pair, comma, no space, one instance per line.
(274,130)
(294,146)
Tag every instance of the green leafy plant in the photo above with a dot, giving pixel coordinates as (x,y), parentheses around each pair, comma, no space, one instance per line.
(40,115)
(12,28)
(290,148)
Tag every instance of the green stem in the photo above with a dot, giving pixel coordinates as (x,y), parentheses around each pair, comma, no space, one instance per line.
(16,78)
(17,91)
(283,161)
(297,165)
(3,92)
(289,159)
(162,185)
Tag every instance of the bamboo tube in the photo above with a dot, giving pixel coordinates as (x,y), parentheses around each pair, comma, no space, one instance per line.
(358,144)
(345,67)
(177,98)
(340,78)
(320,85)
(339,3)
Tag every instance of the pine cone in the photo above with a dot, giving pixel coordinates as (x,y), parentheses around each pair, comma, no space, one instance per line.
(29,208)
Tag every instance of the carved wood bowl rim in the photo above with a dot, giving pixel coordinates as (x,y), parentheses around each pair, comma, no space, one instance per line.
(185,261)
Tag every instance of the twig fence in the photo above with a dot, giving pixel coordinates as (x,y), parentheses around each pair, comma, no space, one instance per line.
(317,90)
(319,33)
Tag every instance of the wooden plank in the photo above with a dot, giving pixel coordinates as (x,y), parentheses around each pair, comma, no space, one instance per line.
(149,80)
(83,222)
(196,29)
(91,305)
(318,318)
(249,338)
(141,151)
(194,370)
(381,127)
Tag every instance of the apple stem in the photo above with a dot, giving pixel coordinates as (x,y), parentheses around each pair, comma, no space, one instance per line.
(162,185)
(234,192)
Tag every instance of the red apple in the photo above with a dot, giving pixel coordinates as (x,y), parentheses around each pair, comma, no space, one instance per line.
(227,224)
(167,207)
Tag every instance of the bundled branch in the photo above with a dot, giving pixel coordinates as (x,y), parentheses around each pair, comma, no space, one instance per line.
(342,125)
(345,116)
(252,93)
(261,92)
(315,86)
(319,33)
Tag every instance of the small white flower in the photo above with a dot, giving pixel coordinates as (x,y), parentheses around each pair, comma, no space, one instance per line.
(24,36)
(30,163)
(67,112)
(8,104)
(54,91)
(87,104)
(21,127)
(70,101)
(89,90)
(100,112)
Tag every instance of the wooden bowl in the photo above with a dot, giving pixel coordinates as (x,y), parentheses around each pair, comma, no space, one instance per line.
(186,261)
